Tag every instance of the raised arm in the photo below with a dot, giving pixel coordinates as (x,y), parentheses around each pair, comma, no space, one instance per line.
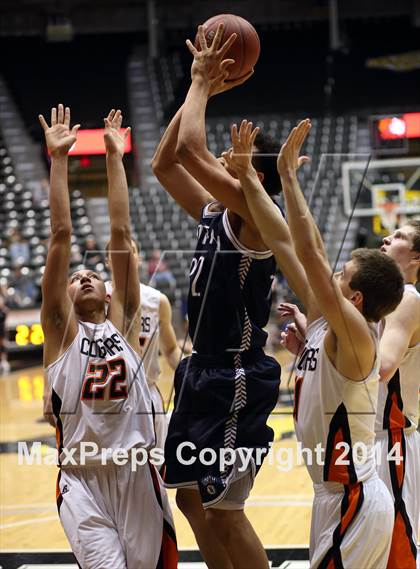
(267,216)
(400,327)
(57,317)
(167,167)
(124,310)
(167,338)
(351,347)
(176,180)
(192,148)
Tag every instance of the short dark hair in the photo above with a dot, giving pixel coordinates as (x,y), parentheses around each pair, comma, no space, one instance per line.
(415,223)
(380,280)
(267,164)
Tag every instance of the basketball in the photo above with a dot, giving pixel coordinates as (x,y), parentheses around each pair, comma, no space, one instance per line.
(245,49)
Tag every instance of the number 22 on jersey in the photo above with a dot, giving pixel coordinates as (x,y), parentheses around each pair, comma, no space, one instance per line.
(105,381)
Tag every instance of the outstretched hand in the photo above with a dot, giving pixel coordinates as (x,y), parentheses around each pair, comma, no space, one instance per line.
(113,137)
(239,156)
(293,339)
(288,159)
(289,310)
(222,83)
(58,136)
(207,61)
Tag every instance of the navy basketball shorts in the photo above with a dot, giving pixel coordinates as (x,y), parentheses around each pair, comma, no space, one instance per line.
(218,432)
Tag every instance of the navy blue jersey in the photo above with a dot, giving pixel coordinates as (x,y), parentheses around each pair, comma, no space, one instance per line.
(230,289)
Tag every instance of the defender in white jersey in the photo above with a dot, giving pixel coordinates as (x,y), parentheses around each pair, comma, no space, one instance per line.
(397,419)
(113,515)
(336,391)
(398,441)
(157,334)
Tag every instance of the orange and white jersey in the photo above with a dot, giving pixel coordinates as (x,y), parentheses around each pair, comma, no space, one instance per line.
(334,414)
(100,394)
(149,334)
(398,403)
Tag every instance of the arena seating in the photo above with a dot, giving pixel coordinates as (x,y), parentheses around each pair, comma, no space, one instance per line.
(19,210)
(165,73)
(159,223)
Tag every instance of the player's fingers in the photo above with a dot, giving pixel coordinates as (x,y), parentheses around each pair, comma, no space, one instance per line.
(302,132)
(242,129)
(297,135)
(234,134)
(111,115)
(300,135)
(43,122)
(225,64)
(248,131)
(53,116)
(191,47)
(117,119)
(303,160)
(225,47)
(228,156)
(127,132)
(254,135)
(116,115)
(298,132)
(67,117)
(289,139)
(60,118)
(301,139)
(236,82)
(202,38)
(75,129)
(288,305)
(217,37)
(284,313)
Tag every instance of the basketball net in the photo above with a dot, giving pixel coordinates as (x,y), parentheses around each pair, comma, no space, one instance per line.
(388,215)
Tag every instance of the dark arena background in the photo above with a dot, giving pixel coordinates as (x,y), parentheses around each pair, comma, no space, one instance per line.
(352,67)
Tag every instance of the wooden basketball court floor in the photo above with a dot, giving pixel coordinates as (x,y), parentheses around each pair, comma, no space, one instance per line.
(279,507)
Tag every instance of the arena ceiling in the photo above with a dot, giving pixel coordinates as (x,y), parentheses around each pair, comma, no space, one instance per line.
(31,17)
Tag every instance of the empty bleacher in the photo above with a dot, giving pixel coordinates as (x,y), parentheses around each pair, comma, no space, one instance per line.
(19,210)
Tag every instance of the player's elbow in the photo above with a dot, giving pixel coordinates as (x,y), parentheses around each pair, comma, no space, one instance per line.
(157,164)
(121,232)
(61,232)
(185,152)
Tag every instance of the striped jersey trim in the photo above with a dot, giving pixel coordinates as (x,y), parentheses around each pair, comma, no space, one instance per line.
(238,245)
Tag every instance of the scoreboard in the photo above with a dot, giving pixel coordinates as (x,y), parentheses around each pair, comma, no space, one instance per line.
(395,134)
(24,331)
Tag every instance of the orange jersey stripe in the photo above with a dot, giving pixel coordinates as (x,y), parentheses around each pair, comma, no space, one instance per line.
(401,555)
(349,515)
